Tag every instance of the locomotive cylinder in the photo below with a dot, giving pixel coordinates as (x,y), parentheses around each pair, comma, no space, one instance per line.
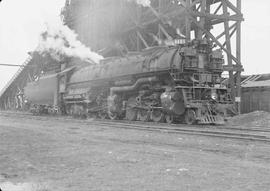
(173,102)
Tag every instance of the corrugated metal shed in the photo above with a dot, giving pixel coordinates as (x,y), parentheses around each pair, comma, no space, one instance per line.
(256,93)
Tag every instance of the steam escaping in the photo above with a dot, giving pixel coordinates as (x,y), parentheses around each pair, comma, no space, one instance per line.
(60,41)
(145,3)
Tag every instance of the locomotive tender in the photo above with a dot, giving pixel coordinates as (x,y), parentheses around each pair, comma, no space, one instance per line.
(160,84)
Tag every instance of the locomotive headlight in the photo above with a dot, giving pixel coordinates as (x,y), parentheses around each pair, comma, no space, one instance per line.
(214,95)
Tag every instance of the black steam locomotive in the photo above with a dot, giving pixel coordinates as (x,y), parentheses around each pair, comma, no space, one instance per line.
(160,84)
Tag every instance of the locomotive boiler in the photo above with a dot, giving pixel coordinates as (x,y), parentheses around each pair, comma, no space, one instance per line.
(160,84)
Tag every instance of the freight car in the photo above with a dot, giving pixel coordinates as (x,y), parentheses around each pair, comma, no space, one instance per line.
(160,84)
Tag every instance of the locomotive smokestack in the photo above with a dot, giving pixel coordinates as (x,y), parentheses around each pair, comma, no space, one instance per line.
(59,41)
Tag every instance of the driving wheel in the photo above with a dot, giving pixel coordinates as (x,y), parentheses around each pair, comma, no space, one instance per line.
(112,115)
(157,116)
(169,118)
(102,115)
(131,111)
(190,117)
(143,115)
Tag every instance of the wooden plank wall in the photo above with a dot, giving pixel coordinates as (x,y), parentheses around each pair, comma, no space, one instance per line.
(255,99)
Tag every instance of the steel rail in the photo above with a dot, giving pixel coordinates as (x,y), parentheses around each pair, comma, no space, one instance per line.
(210,131)
(188,130)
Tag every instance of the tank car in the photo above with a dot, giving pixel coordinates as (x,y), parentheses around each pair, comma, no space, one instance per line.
(160,84)
(42,93)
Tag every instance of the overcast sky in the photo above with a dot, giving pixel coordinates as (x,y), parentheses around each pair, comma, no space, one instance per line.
(22,20)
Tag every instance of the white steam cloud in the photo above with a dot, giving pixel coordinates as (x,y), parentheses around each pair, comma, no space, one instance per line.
(59,41)
(145,3)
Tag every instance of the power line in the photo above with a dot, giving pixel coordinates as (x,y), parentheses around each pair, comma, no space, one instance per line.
(15,65)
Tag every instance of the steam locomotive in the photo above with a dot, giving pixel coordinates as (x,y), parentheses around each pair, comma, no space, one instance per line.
(162,84)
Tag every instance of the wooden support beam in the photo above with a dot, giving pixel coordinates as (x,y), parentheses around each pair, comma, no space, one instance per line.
(202,19)
(195,2)
(161,28)
(180,11)
(232,7)
(142,39)
(185,4)
(223,33)
(159,11)
(30,77)
(207,26)
(228,47)
(231,34)
(238,56)
(133,41)
(164,32)
(224,17)
(187,21)
(217,9)
(198,8)
(138,19)
(214,39)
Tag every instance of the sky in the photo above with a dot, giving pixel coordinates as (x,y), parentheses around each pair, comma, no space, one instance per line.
(21,22)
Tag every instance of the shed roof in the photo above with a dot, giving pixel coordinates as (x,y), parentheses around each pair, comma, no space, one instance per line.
(251,84)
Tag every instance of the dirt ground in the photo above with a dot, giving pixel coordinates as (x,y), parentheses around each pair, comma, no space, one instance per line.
(253,119)
(56,154)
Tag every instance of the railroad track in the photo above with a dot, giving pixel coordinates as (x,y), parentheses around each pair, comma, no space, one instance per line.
(261,134)
(188,130)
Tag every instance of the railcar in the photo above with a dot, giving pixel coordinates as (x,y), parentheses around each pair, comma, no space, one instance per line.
(161,84)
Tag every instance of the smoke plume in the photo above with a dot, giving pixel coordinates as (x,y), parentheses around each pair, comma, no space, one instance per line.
(145,3)
(60,41)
